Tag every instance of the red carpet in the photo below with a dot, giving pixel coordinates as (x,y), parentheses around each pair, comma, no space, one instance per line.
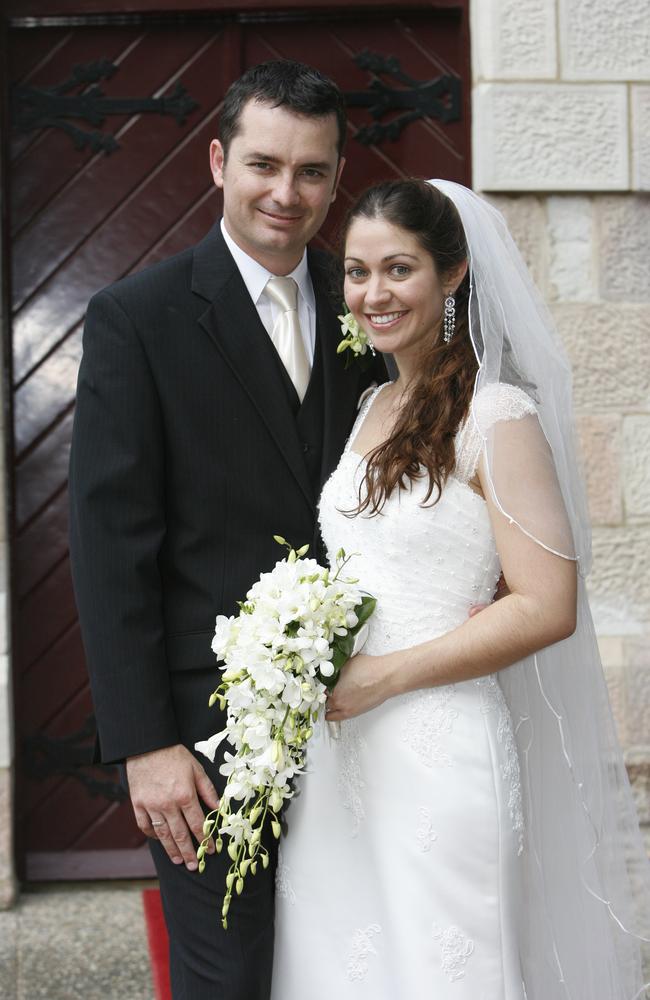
(158,943)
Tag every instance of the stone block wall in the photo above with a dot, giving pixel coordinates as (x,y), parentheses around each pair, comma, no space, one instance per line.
(561,144)
(561,98)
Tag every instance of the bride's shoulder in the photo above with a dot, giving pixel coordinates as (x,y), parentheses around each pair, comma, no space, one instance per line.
(491,404)
(501,401)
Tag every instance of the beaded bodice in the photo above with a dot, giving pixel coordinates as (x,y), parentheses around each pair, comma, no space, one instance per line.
(426,565)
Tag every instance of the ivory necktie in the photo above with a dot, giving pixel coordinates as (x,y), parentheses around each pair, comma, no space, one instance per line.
(286,333)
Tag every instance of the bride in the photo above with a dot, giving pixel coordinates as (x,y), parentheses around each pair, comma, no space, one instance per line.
(466,830)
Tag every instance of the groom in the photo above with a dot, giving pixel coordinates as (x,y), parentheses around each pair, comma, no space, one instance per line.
(211,407)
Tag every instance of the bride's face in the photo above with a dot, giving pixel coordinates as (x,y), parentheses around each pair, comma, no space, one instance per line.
(392,287)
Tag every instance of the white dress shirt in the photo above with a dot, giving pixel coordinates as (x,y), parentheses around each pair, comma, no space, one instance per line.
(255,277)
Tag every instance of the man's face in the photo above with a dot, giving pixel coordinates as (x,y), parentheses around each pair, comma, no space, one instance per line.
(278,182)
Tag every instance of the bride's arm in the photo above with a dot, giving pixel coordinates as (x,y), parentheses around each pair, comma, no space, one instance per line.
(539,610)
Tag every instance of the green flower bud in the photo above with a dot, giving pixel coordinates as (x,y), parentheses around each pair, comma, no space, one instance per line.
(292,556)
(253,867)
(265,861)
(239,885)
(207,827)
(200,851)
(255,814)
(280,540)
(302,551)
(201,866)
(224,924)
(275,800)
(230,879)
(277,829)
(233,850)
(211,700)
(256,836)
(219,845)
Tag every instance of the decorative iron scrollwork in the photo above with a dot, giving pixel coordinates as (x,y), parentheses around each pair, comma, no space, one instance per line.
(438,98)
(50,107)
(71,756)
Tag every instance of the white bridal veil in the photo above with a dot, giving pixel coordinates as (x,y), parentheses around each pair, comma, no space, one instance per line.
(582,921)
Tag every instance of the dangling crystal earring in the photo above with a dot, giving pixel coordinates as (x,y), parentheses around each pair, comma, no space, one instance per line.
(450,318)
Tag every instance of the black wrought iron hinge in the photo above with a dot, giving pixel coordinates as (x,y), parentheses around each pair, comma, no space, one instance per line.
(437,98)
(35,108)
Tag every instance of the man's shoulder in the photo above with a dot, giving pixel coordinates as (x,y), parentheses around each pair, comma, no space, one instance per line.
(153,283)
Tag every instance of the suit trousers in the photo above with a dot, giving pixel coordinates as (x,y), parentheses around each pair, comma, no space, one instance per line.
(206,961)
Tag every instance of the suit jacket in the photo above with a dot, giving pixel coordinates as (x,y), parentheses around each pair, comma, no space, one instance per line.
(186,460)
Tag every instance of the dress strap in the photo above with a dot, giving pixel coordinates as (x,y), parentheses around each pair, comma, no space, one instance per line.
(363,413)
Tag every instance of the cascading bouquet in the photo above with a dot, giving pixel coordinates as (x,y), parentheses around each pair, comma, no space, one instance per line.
(280,655)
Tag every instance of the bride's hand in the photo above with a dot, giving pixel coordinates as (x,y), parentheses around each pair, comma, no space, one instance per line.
(364,683)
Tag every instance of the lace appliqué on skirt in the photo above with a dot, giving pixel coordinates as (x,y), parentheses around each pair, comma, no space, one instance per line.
(350,779)
(455,948)
(425,833)
(360,949)
(429,718)
(283,887)
(492,700)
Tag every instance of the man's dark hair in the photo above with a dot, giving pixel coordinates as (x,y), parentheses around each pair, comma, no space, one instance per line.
(282,83)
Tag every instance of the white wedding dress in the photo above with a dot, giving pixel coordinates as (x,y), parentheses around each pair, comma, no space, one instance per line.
(398,877)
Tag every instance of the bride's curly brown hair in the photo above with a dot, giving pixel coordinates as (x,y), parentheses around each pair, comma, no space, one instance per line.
(422,441)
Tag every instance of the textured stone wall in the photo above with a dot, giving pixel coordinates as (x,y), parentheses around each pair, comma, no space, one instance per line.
(561,140)
(561,96)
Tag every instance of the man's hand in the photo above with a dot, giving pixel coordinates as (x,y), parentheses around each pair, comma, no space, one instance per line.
(165,787)
(501,591)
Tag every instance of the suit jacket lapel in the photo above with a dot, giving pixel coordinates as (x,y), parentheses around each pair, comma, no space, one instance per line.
(341,386)
(233,324)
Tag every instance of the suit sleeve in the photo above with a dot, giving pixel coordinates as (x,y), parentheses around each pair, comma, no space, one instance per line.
(117,526)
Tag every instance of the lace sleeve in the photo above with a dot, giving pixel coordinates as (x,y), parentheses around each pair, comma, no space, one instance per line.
(491,404)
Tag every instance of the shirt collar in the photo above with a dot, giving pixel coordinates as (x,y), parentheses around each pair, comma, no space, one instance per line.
(255,276)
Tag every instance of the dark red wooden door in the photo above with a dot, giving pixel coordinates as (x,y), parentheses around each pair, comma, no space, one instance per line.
(80,218)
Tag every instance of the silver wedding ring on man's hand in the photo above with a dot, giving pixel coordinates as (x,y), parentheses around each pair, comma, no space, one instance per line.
(158,822)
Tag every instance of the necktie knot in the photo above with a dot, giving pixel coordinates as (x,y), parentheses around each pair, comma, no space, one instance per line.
(283,291)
